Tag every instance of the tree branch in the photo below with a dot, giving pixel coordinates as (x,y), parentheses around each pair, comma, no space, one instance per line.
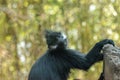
(111,62)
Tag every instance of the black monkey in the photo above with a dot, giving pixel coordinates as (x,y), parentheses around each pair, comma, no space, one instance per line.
(56,63)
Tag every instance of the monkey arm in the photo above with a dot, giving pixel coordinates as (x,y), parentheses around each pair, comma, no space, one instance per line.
(85,61)
(95,54)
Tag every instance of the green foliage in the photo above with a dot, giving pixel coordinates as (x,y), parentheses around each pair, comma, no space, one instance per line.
(22,25)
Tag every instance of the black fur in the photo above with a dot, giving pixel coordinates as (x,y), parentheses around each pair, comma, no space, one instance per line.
(56,63)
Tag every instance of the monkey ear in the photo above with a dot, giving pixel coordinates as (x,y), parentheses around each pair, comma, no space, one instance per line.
(47,33)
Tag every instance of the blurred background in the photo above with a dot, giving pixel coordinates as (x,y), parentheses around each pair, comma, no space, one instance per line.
(22,25)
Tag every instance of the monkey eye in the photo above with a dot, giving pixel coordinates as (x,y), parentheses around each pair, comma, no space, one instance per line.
(59,37)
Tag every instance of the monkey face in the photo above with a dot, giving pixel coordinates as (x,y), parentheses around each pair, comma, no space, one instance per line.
(56,40)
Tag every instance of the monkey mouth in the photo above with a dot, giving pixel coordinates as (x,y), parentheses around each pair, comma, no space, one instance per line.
(53,47)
